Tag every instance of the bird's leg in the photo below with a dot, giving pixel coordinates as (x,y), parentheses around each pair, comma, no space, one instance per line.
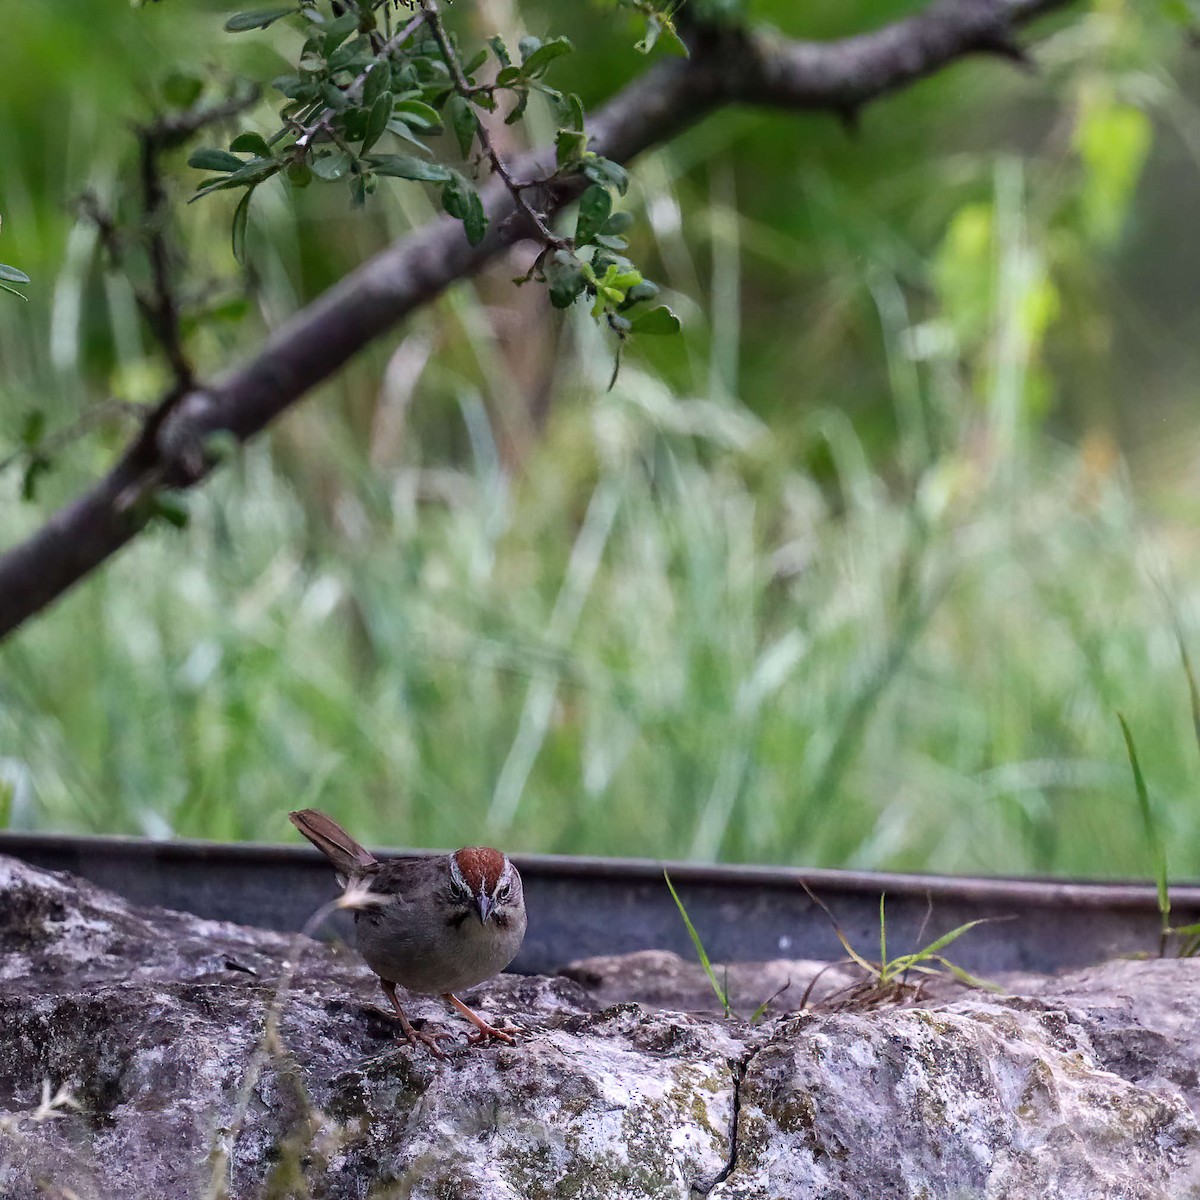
(414,1036)
(485,1030)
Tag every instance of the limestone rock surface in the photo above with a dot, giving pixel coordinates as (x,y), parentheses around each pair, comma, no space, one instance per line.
(201,1059)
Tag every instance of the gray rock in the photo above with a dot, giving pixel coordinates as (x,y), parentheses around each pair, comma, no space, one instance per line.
(209,1060)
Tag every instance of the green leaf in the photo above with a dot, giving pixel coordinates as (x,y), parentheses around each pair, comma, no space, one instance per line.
(377,121)
(657,321)
(660,30)
(405,166)
(461,200)
(255,171)
(477,60)
(575,114)
(354,57)
(293,87)
(645,289)
(13,275)
(518,109)
(251,143)
(335,32)
(537,62)
(37,466)
(528,45)
(569,146)
(170,507)
(258,19)
(333,95)
(332,166)
(454,196)
(379,80)
(566,279)
(402,131)
(463,121)
(241,217)
(416,112)
(12,291)
(215,160)
(653,29)
(595,207)
(604,170)
(500,50)
(476,221)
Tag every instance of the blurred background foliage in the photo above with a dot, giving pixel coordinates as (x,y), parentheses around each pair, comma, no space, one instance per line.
(857,571)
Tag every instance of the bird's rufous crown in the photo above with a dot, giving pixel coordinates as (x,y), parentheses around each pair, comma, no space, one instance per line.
(481,867)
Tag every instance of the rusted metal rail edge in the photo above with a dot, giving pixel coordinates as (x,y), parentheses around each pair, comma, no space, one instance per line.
(581,907)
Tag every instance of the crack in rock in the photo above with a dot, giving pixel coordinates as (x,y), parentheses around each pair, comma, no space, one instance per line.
(1070,1088)
(738,1070)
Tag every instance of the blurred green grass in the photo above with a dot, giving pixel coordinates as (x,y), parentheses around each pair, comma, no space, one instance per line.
(695,668)
(821,582)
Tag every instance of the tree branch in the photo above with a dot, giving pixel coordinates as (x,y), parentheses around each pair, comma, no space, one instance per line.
(726,67)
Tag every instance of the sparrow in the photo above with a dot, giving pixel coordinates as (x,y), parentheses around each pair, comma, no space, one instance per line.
(434,926)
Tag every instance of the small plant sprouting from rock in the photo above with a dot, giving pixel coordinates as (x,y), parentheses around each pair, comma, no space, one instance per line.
(1158,853)
(720,987)
(886,981)
(1188,935)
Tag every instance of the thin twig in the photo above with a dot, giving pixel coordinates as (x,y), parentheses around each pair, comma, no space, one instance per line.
(465,90)
(354,90)
(170,130)
(163,311)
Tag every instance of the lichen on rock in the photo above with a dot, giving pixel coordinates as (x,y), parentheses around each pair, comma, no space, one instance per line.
(209,1060)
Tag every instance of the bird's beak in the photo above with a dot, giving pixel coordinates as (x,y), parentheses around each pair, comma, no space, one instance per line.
(483,906)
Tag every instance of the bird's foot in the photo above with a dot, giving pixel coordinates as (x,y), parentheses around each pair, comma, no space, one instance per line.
(430,1038)
(484,1033)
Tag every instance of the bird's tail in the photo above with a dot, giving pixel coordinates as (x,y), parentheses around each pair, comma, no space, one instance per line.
(333,841)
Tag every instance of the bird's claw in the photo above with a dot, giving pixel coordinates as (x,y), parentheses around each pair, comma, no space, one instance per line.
(485,1033)
(430,1039)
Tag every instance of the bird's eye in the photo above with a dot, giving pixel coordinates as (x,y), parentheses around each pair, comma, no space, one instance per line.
(503,891)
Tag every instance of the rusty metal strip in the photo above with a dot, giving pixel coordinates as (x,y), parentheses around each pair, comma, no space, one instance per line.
(581,907)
